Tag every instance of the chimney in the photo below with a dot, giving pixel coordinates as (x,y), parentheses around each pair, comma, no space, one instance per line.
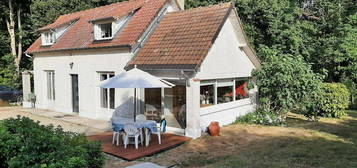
(181,4)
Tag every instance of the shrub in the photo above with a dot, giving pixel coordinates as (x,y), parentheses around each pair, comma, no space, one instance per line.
(25,143)
(334,100)
(285,82)
(263,116)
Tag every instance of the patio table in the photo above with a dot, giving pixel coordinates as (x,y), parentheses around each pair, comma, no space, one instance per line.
(119,123)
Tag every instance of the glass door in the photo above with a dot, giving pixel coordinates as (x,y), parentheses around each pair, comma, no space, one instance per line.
(75,94)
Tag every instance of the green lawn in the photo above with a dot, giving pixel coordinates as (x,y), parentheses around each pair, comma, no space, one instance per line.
(329,143)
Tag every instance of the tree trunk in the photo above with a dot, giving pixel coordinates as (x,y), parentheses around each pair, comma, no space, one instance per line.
(10,23)
(19,46)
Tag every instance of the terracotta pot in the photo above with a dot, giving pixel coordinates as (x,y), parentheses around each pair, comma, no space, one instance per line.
(214,128)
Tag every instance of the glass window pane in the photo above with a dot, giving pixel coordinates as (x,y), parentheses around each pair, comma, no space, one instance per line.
(106,30)
(53,86)
(207,95)
(224,94)
(107,95)
(104,98)
(48,86)
(103,77)
(112,98)
(153,104)
(241,89)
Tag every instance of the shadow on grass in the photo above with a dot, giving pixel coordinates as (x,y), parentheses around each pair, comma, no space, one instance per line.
(345,127)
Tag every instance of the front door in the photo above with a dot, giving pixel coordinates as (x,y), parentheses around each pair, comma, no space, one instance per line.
(75,95)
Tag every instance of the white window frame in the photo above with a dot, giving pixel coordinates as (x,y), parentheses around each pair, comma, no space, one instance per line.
(222,83)
(107,92)
(98,31)
(48,38)
(51,89)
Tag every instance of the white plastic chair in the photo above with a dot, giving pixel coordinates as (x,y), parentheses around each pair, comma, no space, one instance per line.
(157,132)
(116,137)
(131,132)
(140,117)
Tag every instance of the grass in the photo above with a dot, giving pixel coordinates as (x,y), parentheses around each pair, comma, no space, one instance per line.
(328,143)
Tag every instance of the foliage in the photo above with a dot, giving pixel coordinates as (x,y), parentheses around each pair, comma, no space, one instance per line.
(285,81)
(263,116)
(352,87)
(25,143)
(334,100)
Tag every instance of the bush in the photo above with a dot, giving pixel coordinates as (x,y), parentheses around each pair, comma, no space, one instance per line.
(285,82)
(25,143)
(334,100)
(263,116)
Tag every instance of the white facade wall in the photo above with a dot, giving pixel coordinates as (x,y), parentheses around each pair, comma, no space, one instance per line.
(86,64)
(227,113)
(226,60)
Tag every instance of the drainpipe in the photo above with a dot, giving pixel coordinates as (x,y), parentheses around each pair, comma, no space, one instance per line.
(187,78)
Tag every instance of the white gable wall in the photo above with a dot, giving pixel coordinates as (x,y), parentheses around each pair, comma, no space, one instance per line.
(86,64)
(225,59)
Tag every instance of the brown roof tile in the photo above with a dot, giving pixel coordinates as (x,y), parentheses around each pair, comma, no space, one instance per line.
(80,34)
(183,38)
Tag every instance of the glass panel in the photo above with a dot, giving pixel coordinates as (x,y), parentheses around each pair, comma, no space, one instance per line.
(104,98)
(104,92)
(111,98)
(106,30)
(153,104)
(48,85)
(241,89)
(207,95)
(224,94)
(178,111)
(53,85)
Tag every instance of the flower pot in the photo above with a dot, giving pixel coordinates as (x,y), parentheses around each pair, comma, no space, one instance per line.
(214,129)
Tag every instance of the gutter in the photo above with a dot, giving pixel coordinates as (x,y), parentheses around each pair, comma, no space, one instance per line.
(28,55)
(85,48)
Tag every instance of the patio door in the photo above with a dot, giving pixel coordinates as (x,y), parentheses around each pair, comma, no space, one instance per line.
(168,103)
(75,94)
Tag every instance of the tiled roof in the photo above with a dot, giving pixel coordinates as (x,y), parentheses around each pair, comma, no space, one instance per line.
(80,34)
(182,39)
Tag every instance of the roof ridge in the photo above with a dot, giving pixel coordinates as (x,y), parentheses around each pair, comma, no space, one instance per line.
(202,7)
(95,8)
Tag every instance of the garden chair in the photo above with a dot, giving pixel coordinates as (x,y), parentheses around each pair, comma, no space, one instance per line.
(131,132)
(116,137)
(159,130)
(141,117)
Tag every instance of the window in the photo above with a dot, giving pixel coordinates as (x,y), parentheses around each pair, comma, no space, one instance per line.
(48,38)
(223,91)
(105,30)
(50,85)
(107,96)
(241,89)
(224,94)
(207,96)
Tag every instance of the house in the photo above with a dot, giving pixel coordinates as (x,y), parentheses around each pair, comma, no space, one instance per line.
(203,51)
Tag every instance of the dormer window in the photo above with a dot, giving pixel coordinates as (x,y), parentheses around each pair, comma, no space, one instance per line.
(106,30)
(48,38)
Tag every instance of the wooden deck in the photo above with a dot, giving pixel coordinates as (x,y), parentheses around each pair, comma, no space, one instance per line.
(168,141)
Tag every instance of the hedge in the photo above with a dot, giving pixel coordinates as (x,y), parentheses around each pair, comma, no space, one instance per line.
(334,100)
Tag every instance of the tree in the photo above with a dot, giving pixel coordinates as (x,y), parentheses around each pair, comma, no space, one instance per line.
(286,82)
(13,13)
